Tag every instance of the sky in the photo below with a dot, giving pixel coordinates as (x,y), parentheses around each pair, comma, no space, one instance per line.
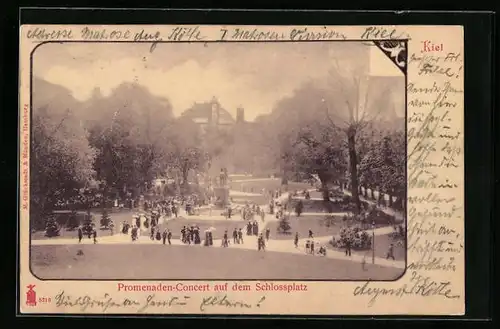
(250,75)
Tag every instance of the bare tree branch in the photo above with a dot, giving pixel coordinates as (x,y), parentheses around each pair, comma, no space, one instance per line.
(56,129)
(332,123)
(380,101)
(357,88)
(342,89)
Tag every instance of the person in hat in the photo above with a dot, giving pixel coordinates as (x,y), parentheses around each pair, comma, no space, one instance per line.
(196,234)
(94,235)
(183,234)
(164,236)
(206,243)
(235,236)
(133,233)
(322,250)
(137,221)
(240,236)
(225,240)
(261,244)
(390,252)
(80,234)
(152,235)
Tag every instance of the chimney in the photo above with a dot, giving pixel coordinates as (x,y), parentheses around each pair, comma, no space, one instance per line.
(240,115)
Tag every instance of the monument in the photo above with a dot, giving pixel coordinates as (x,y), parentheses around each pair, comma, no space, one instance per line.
(215,121)
(221,190)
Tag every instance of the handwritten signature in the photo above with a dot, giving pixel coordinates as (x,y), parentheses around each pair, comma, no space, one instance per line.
(86,302)
(151,302)
(419,285)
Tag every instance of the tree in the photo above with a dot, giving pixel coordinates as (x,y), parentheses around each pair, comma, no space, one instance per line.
(51,228)
(353,102)
(105,218)
(396,177)
(115,163)
(383,166)
(88,226)
(73,221)
(131,128)
(319,151)
(307,145)
(284,225)
(187,152)
(61,160)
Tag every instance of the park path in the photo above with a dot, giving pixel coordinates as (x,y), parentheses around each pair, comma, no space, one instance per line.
(389,211)
(250,242)
(252,180)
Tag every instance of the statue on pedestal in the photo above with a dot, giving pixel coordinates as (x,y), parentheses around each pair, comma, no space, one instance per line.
(221,190)
(223,177)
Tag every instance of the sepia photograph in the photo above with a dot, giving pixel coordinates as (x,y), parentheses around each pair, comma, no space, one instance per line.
(218,161)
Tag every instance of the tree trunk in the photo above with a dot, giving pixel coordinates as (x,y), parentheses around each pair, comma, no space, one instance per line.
(372,195)
(399,203)
(381,200)
(324,186)
(104,198)
(351,142)
(185,172)
(284,179)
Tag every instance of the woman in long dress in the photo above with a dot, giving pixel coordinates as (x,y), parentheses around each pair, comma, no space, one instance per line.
(196,232)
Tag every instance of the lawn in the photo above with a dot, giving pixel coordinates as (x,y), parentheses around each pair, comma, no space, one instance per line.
(163,262)
(175,226)
(257,199)
(303,225)
(382,243)
(269,184)
(117,217)
(318,206)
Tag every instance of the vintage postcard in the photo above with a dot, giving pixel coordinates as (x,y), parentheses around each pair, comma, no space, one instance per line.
(260,170)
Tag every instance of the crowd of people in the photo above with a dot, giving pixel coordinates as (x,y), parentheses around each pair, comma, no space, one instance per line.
(156,211)
(169,207)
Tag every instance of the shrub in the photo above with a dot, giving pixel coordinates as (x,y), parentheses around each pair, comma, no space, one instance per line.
(87,225)
(355,236)
(399,234)
(105,219)
(329,221)
(379,217)
(73,221)
(51,228)
(284,226)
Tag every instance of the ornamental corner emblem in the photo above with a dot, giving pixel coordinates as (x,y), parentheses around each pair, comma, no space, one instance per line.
(396,51)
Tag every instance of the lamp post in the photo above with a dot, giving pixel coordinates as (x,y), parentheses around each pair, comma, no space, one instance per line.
(373,242)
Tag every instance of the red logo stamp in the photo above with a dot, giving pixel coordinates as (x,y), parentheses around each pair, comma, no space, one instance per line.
(31,295)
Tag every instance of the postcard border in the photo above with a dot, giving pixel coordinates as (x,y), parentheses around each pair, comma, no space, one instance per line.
(405,73)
